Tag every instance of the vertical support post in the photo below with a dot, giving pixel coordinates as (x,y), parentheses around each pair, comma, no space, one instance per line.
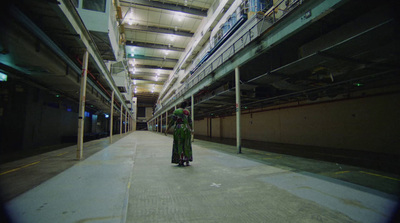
(111,116)
(238,110)
(82,101)
(210,127)
(126,116)
(192,113)
(166,120)
(120,120)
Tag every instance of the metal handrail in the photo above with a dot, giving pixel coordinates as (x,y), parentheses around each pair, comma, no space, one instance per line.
(254,32)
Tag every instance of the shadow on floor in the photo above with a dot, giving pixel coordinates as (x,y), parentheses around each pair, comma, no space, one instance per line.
(372,160)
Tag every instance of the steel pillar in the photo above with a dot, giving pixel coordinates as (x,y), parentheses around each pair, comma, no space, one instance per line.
(238,111)
(126,117)
(120,120)
(192,111)
(81,117)
(111,116)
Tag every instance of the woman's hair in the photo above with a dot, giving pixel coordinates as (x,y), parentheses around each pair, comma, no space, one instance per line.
(183,104)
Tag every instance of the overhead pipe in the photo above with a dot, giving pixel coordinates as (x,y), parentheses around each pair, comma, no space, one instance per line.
(95,79)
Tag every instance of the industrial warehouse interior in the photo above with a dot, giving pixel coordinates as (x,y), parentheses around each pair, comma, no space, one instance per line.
(293,108)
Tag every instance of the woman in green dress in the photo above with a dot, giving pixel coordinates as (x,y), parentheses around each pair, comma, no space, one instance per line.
(182,146)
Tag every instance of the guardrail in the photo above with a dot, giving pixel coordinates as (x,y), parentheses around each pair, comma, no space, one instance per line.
(273,15)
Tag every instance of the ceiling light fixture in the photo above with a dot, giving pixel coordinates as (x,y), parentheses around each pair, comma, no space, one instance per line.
(132,62)
(179,16)
(130,16)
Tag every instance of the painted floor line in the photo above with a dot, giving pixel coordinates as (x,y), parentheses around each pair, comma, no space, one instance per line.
(377,175)
(16,169)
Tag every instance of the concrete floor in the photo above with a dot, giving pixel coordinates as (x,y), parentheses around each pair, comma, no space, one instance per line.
(132,180)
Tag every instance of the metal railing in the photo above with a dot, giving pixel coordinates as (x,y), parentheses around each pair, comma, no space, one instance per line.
(273,15)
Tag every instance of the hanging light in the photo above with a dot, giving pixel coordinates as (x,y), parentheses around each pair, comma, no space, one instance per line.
(132,62)
(179,16)
(130,19)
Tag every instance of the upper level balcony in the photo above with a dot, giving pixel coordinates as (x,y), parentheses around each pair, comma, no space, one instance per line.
(99,19)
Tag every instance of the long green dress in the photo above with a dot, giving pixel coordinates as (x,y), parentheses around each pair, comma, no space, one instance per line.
(182,146)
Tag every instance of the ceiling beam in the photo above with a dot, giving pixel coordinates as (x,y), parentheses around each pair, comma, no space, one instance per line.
(166,6)
(153,67)
(143,57)
(156,29)
(151,74)
(147,78)
(143,82)
(154,46)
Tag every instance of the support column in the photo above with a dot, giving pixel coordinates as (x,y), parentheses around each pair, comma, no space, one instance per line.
(82,101)
(238,111)
(166,121)
(192,111)
(126,116)
(111,116)
(120,120)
